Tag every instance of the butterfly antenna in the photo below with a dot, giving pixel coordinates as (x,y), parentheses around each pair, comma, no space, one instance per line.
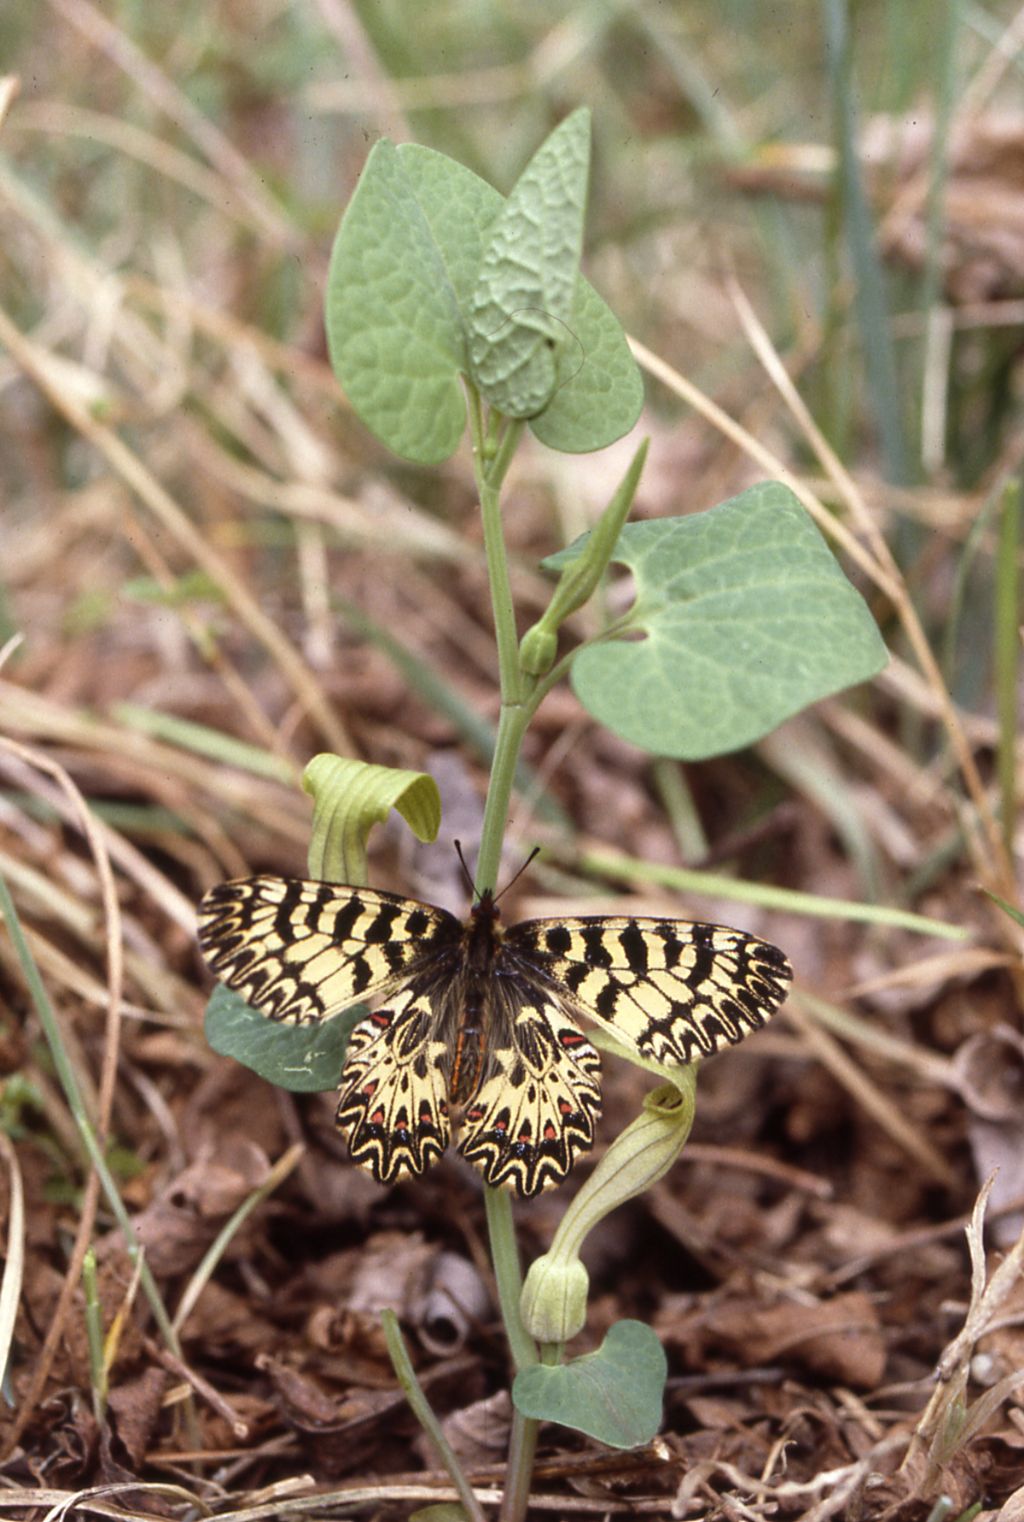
(522,869)
(467,874)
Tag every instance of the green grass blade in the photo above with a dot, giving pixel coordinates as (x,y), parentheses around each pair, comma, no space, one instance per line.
(872,304)
(686,880)
(1007,655)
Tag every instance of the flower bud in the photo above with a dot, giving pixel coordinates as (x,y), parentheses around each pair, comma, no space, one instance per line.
(554,1302)
(538,649)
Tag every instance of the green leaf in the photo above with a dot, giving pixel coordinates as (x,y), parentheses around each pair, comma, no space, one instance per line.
(613,1395)
(349,798)
(525,289)
(303,1058)
(393,329)
(399,293)
(747,618)
(602,398)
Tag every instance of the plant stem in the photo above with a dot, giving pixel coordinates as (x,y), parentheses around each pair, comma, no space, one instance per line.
(514,716)
(522,1448)
(505,1257)
(489,479)
(402,1364)
(512,724)
(516,712)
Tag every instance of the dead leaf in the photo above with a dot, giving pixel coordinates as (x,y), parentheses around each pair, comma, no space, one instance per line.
(989,1071)
(181,1221)
(135,1406)
(478,1433)
(840,1339)
(305,1403)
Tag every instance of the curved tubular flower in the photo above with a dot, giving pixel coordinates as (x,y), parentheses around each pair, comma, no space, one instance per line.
(554,1300)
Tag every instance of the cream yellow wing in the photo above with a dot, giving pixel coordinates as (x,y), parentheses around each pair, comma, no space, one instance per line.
(303,951)
(393,1102)
(535,1110)
(672,990)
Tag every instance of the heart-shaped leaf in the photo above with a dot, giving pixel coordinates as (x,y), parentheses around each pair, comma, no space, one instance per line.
(302,1058)
(746,618)
(613,1395)
(526,285)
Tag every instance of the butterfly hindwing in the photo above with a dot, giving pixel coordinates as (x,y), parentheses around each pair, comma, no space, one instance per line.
(672,990)
(303,951)
(393,1099)
(535,1111)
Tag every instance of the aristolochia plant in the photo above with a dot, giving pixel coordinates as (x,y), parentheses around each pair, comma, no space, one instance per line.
(447,301)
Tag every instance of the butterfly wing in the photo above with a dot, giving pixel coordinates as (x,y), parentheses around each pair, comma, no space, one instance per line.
(303,951)
(536,1108)
(393,1097)
(672,990)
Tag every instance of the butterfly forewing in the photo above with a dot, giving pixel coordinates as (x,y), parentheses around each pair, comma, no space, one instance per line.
(673,990)
(303,951)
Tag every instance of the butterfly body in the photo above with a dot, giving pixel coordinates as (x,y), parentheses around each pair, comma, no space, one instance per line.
(479,1018)
(482,938)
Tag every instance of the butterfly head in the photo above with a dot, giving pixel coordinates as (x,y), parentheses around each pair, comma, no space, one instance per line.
(485,911)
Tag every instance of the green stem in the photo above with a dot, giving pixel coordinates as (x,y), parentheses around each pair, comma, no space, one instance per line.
(514,715)
(489,479)
(413,1392)
(522,1449)
(516,711)
(512,724)
(505,1257)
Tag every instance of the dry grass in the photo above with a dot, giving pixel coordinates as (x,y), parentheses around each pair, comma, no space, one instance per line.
(188,511)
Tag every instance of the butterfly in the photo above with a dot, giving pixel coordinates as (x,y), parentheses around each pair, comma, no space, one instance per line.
(479,1022)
